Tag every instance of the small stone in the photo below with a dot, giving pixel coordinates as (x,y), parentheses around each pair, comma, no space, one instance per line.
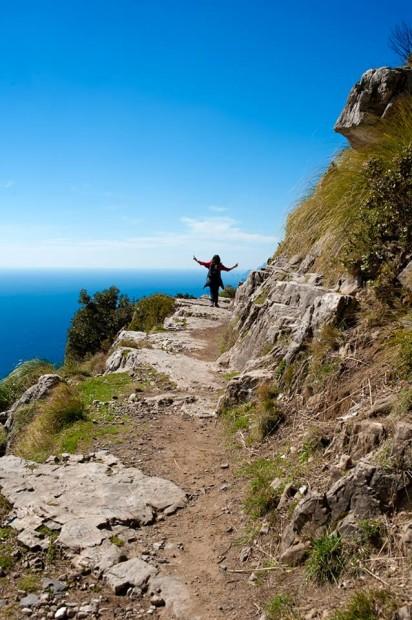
(157,601)
(224,466)
(31,600)
(276,484)
(61,612)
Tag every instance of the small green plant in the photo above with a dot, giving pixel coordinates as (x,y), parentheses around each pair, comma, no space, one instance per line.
(228,338)
(367,605)
(5,507)
(3,440)
(150,312)
(326,559)
(262,498)
(280,607)
(403,404)
(230,375)
(267,412)
(116,540)
(237,418)
(372,532)
(29,583)
(402,341)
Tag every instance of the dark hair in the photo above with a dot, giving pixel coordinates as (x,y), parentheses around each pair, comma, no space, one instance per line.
(216,259)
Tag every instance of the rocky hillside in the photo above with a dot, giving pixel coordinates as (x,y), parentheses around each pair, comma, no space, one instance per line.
(321,350)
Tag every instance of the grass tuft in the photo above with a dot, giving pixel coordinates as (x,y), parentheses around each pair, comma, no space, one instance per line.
(367,605)
(280,607)
(326,559)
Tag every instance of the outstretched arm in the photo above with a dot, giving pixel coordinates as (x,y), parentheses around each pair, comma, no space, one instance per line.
(201,262)
(229,268)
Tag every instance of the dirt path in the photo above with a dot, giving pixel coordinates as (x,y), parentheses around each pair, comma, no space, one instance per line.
(199,544)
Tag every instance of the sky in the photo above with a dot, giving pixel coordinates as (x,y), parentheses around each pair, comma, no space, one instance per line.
(138,133)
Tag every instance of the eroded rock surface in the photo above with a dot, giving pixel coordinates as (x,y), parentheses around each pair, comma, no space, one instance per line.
(371,100)
(87,499)
(277,310)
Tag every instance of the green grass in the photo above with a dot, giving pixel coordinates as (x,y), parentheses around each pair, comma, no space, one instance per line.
(231,375)
(237,418)
(5,507)
(280,607)
(29,583)
(115,540)
(367,605)
(261,498)
(103,388)
(326,559)
(52,417)
(372,532)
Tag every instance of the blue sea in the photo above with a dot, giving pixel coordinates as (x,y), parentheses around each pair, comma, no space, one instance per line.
(36,305)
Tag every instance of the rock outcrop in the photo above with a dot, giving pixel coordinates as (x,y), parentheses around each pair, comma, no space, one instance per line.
(277,310)
(39,390)
(370,100)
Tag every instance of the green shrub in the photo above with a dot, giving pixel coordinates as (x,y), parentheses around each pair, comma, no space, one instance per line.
(229,292)
(150,312)
(20,379)
(326,559)
(368,605)
(97,322)
(381,236)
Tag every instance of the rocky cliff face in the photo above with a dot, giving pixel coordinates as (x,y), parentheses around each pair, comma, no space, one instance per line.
(370,100)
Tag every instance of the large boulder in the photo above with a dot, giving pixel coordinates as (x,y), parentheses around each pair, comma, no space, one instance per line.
(370,100)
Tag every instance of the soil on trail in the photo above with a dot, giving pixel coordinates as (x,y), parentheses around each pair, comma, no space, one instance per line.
(199,544)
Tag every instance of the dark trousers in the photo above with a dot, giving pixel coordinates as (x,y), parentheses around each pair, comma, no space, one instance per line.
(214,294)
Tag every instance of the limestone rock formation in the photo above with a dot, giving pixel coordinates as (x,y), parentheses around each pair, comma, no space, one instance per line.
(371,100)
(277,309)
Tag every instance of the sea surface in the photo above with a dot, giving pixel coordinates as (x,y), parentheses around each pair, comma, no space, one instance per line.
(36,306)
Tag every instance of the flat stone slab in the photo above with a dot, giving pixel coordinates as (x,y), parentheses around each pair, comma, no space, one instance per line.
(84,498)
(134,572)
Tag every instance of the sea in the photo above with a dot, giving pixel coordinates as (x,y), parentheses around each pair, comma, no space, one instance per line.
(36,306)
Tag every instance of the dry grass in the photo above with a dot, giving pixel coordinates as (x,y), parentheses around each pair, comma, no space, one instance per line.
(326,215)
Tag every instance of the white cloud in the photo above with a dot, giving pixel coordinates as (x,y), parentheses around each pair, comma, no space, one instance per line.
(203,236)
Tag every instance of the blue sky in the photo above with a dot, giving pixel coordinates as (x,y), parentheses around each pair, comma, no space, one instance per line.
(135,133)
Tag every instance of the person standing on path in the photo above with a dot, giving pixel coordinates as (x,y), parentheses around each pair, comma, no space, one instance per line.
(214,277)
